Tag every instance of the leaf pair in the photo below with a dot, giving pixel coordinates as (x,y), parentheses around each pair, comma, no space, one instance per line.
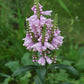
(42,70)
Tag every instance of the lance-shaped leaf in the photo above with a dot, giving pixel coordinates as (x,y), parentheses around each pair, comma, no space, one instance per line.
(4,75)
(41,74)
(6,81)
(37,80)
(65,83)
(69,69)
(64,6)
(24,69)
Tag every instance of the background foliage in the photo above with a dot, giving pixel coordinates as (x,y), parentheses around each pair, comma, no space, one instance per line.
(12,30)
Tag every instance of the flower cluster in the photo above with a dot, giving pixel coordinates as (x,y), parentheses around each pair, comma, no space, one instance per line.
(42,35)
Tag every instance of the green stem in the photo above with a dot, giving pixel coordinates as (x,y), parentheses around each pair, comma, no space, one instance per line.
(46,82)
(36,2)
(43,34)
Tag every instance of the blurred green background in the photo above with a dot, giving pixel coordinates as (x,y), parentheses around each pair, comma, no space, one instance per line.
(12,30)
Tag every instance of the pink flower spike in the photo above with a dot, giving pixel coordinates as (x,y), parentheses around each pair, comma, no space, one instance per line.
(41,61)
(39,40)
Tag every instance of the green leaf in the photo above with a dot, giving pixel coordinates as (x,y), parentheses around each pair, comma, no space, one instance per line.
(80,65)
(4,75)
(6,81)
(41,73)
(37,80)
(58,76)
(65,83)
(3,5)
(24,69)
(67,62)
(12,65)
(62,76)
(69,69)
(26,60)
(21,20)
(64,6)
(25,79)
(81,52)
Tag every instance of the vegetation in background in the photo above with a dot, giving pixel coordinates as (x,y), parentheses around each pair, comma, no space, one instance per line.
(12,30)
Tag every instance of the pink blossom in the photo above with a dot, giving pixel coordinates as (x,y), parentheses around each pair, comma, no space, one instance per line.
(49,61)
(37,47)
(40,6)
(32,18)
(34,24)
(42,61)
(50,40)
(33,8)
(56,32)
(47,12)
(49,23)
(44,48)
(49,46)
(57,41)
(42,20)
(28,42)
(40,38)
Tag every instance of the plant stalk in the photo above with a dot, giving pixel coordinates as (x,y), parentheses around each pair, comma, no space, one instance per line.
(46,75)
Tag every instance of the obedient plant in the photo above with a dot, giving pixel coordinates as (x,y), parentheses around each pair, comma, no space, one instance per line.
(42,35)
(43,38)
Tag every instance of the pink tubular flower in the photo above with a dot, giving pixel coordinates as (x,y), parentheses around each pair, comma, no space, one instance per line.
(32,18)
(56,32)
(57,41)
(37,47)
(42,36)
(49,46)
(47,12)
(49,23)
(42,20)
(49,61)
(34,9)
(34,24)
(28,42)
(42,61)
